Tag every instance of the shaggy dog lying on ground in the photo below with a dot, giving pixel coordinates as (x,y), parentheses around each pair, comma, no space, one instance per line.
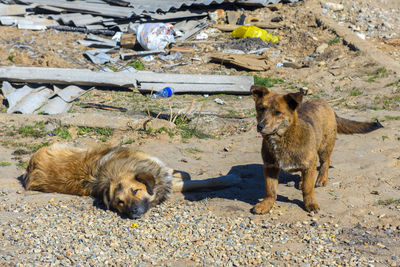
(127,180)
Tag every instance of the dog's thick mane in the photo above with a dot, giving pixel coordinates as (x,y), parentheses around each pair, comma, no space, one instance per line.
(142,164)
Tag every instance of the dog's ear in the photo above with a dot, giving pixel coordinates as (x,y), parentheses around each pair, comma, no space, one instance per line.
(107,195)
(258,91)
(148,180)
(106,198)
(293,100)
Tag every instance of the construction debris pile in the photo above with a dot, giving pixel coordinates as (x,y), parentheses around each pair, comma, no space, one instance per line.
(139,31)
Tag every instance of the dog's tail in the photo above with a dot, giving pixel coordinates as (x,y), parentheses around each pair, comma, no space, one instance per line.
(345,126)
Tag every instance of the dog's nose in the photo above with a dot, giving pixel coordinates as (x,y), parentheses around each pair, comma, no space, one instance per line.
(137,211)
(260,126)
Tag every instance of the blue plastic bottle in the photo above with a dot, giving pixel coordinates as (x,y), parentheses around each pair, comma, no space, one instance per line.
(164,93)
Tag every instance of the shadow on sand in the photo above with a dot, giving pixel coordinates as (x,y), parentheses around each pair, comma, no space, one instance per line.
(251,189)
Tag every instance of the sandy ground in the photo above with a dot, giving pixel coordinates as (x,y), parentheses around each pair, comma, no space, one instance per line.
(364,177)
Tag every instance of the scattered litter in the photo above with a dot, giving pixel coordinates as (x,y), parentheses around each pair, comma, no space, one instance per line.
(164,93)
(128,40)
(98,56)
(249,62)
(219,101)
(169,57)
(279,64)
(334,6)
(233,51)
(206,95)
(148,58)
(246,45)
(201,36)
(155,36)
(103,107)
(254,32)
(217,16)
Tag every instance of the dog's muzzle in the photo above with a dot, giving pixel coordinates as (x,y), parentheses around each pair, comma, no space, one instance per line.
(260,127)
(138,210)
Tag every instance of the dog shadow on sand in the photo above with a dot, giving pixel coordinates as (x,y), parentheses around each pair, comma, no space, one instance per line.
(251,189)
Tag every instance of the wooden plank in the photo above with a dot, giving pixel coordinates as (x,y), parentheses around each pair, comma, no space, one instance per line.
(182,82)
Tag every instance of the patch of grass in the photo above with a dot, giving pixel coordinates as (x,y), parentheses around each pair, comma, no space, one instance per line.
(36,130)
(62,132)
(392,118)
(103,139)
(148,130)
(187,132)
(392,83)
(163,129)
(22,165)
(193,150)
(334,40)
(388,201)
(101,131)
(376,108)
(136,64)
(267,81)
(112,67)
(379,73)
(355,92)
(11,57)
(36,147)
(5,163)
(128,142)
(3,110)
(384,137)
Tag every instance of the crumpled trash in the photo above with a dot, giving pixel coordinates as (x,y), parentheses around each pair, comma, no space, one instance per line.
(155,36)
(175,56)
(254,32)
(201,36)
(219,101)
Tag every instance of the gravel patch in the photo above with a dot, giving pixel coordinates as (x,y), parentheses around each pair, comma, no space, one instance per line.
(78,232)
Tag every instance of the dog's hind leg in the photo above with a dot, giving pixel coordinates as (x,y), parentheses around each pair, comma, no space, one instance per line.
(324,155)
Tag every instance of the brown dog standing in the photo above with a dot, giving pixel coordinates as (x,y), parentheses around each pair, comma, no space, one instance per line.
(295,134)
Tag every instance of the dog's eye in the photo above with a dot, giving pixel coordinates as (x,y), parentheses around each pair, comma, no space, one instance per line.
(134,192)
(262,109)
(277,112)
(121,203)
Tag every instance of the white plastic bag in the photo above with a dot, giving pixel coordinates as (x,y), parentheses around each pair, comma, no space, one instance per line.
(155,36)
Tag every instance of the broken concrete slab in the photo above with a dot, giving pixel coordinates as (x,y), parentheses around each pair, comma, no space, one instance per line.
(187,83)
(13,10)
(55,105)
(66,76)
(71,92)
(29,103)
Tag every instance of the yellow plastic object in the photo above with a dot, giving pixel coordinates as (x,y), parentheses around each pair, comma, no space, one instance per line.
(254,32)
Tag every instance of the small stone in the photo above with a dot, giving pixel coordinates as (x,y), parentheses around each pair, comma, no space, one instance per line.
(19,192)
(320,49)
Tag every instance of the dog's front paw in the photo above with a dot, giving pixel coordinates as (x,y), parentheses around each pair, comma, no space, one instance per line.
(311,206)
(263,207)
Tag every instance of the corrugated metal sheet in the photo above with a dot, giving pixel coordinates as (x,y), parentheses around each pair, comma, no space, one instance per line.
(138,7)
(141,6)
